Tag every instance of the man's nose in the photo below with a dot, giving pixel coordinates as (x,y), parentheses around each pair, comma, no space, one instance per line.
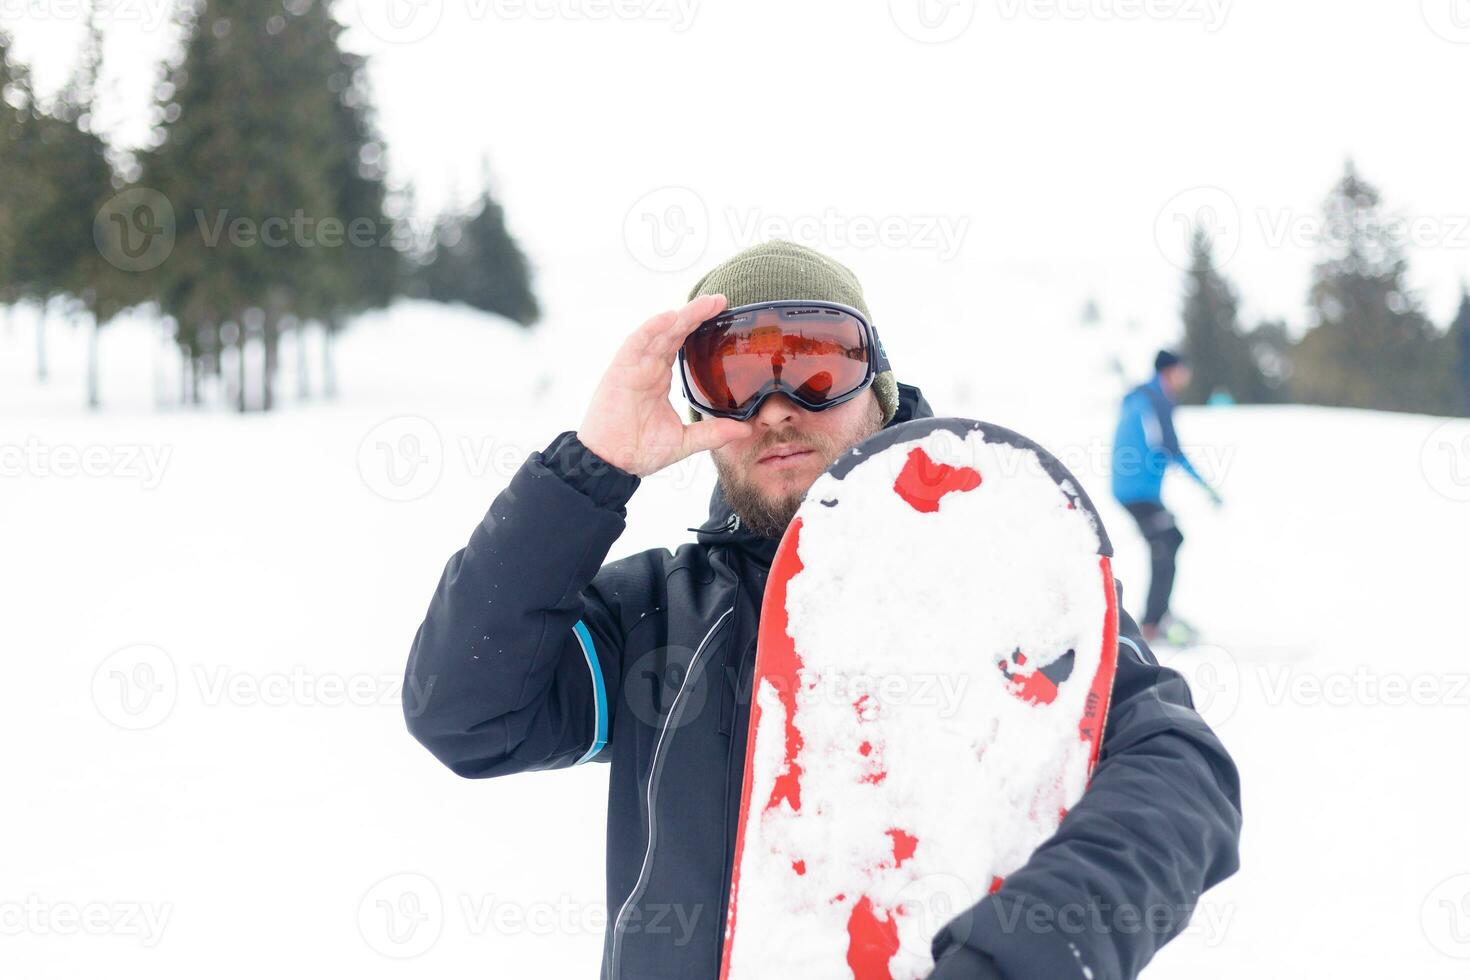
(777,410)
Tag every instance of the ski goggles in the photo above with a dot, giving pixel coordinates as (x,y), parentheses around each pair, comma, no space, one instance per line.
(815,353)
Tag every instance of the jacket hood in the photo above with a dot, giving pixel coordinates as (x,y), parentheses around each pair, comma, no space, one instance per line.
(724,526)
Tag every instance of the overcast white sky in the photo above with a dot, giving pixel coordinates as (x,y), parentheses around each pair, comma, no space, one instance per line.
(1006,156)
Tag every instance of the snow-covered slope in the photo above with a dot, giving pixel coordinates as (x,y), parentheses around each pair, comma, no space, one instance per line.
(207,616)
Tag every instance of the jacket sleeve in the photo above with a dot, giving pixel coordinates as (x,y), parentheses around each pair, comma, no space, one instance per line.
(512,667)
(1158,824)
(1164,438)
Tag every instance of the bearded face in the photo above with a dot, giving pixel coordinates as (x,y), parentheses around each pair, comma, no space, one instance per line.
(765,475)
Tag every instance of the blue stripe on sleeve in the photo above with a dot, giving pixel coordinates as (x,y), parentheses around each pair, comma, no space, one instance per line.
(599,689)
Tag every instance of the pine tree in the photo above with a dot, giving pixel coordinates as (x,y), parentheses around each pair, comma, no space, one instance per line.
(475,261)
(14,101)
(243,154)
(1271,346)
(1370,346)
(1218,351)
(1459,344)
(366,271)
(24,189)
(61,236)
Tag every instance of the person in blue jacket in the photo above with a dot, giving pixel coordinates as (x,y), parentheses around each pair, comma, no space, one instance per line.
(1144,446)
(537,653)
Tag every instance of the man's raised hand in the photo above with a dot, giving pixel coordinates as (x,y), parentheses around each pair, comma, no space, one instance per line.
(631,422)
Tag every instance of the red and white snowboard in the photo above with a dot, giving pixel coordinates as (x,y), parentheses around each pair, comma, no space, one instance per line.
(936,653)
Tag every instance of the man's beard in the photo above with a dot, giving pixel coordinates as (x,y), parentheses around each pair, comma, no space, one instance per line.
(769,518)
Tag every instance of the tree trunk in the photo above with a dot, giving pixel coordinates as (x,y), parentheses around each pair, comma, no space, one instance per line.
(186,371)
(243,401)
(329,365)
(303,373)
(270,339)
(41,371)
(94,400)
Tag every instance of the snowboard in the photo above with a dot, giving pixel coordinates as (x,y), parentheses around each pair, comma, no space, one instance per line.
(935,658)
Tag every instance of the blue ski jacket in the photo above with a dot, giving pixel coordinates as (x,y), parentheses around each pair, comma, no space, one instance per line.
(535,655)
(1145,444)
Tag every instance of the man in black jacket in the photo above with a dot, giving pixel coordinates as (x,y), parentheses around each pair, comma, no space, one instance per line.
(536,655)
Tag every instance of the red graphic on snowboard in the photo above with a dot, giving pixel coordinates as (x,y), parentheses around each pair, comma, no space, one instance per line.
(922,482)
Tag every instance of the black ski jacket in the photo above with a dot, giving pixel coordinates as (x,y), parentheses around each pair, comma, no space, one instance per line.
(536,655)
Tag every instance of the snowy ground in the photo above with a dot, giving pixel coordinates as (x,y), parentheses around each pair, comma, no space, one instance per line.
(206,617)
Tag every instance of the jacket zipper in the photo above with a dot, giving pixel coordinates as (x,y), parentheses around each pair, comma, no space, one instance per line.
(654,771)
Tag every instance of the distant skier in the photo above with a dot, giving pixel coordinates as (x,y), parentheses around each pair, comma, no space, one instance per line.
(1144,446)
(535,654)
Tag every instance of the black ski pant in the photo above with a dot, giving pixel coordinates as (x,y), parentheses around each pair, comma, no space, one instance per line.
(1164,538)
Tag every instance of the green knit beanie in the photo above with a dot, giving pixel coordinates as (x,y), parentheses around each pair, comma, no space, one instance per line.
(780,270)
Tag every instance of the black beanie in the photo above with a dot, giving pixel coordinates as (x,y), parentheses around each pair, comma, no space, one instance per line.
(1166,359)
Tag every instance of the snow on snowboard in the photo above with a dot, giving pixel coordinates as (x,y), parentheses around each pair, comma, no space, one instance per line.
(936,653)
